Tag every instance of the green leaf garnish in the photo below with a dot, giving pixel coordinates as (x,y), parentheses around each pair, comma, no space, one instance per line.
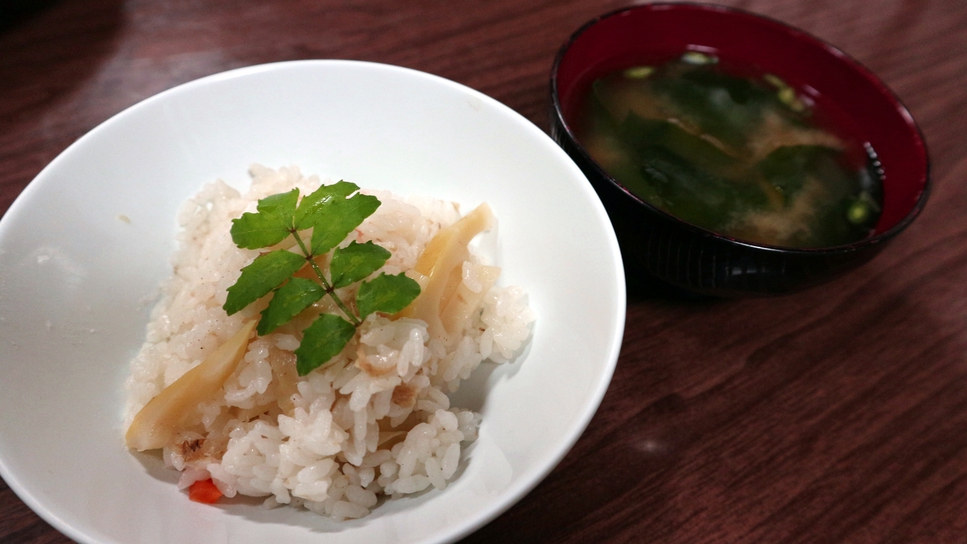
(272,224)
(321,341)
(341,218)
(356,262)
(287,302)
(385,293)
(332,212)
(266,272)
(337,214)
(307,213)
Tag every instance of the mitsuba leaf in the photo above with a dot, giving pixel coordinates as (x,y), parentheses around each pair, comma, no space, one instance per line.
(322,341)
(270,225)
(331,215)
(386,293)
(332,212)
(266,272)
(319,199)
(355,262)
(341,217)
(287,302)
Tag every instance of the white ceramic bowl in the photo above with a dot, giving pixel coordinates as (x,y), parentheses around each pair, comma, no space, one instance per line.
(85,246)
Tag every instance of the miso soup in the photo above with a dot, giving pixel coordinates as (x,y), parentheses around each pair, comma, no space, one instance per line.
(741,156)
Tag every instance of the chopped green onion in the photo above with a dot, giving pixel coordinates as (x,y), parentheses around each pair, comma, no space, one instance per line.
(775,81)
(638,72)
(697,58)
(787,95)
(858,212)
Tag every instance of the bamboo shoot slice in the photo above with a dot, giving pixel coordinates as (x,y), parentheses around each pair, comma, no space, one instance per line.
(440,262)
(464,302)
(163,416)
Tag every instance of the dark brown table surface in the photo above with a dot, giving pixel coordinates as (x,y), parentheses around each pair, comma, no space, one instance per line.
(834,415)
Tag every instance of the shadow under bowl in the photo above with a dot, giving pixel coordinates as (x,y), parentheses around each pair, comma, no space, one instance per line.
(658,245)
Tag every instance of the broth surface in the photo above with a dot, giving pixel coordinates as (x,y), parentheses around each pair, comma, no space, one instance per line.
(741,156)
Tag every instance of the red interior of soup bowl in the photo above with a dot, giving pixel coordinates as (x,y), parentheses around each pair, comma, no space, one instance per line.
(856,100)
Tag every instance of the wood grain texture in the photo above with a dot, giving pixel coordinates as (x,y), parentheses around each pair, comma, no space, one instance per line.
(834,415)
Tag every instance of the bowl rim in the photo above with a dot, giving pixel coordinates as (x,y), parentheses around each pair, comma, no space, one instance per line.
(558,120)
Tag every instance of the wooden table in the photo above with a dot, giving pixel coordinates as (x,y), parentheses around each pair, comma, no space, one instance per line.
(834,415)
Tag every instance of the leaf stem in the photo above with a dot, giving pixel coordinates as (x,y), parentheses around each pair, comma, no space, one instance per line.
(322,278)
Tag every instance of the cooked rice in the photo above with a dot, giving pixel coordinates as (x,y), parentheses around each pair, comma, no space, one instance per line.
(336,440)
